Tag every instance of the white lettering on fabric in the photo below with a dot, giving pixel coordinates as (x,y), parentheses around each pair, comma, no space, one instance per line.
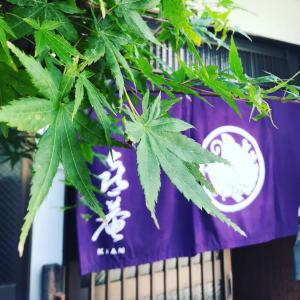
(112,186)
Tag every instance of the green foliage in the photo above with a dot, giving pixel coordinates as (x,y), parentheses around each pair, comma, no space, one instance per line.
(27,114)
(98,103)
(14,84)
(165,147)
(177,13)
(45,167)
(129,10)
(79,94)
(43,10)
(235,63)
(44,37)
(77,56)
(73,162)
(149,173)
(41,78)
(4,31)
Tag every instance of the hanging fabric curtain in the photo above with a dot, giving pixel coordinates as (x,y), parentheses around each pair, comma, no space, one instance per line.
(259,191)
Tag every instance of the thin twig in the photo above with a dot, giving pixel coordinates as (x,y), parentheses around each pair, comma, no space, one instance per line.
(155,19)
(133,91)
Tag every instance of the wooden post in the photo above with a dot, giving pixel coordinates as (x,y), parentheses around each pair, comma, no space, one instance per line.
(227,275)
(52,282)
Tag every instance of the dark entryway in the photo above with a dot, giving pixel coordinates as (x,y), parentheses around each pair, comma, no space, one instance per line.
(265,272)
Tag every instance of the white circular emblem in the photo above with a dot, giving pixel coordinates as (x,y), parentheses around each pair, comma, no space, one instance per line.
(236,185)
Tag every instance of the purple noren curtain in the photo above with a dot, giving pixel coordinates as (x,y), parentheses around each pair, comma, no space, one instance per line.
(259,191)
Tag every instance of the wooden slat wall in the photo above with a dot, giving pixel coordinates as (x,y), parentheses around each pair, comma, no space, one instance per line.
(199,277)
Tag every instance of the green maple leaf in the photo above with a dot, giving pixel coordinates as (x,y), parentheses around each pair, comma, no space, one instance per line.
(108,43)
(68,78)
(14,84)
(90,131)
(60,46)
(195,171)
(27,114)
(131,12)
(99,104)
(58,144)
(44,37)
(79,94)
(149,173)
(136,24)
(20,2)
(113,65)
(94,51)
(160,144)
(177,14)
(41,78)
(235,62)
(74,163)
(43,11)
(5,30)
(164,83)
(44,167)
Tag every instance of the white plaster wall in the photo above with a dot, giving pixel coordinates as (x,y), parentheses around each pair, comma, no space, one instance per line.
(47,235)
(274,19)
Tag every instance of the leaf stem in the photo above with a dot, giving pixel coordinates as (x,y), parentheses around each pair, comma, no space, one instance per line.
(134,111)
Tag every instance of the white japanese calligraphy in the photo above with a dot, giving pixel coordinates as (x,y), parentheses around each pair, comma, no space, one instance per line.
(112,186)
